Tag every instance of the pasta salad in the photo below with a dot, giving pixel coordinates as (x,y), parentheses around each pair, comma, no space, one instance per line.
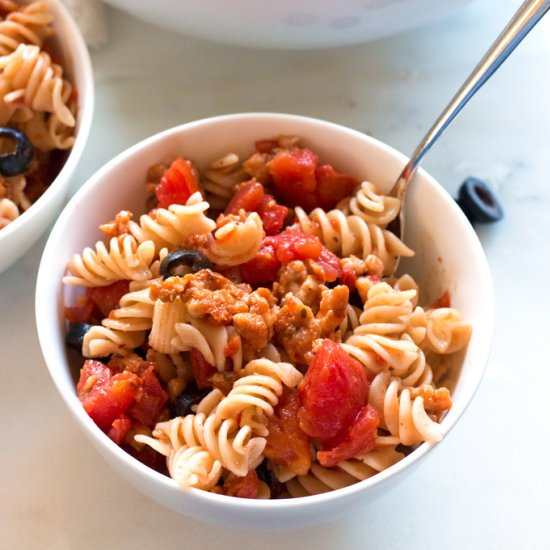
(247,335)
(37,107)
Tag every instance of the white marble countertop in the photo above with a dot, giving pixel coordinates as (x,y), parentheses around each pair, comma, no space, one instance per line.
(487,485)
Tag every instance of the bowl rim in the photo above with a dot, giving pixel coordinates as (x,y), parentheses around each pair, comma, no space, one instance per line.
(99,437)
(83,125)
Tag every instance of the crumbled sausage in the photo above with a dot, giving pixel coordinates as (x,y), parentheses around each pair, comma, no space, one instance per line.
(296,328)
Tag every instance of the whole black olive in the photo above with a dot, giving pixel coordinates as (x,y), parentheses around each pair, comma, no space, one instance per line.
(478,202)
(75,335)
(17,161)
(184,256)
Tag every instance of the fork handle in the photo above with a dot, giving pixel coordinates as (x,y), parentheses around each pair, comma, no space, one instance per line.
(527,16)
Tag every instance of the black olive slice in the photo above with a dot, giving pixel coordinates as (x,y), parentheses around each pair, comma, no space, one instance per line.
(184,256)
(182,404)
(17,161)
(75,335)
(478,202)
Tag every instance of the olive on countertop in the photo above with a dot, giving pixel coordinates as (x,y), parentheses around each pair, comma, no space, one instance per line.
(478,202)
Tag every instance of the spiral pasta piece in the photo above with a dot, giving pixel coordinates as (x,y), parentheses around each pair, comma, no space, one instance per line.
(46,132)
(31,24)
(345,235)
(258,391)
(220,179)
(446,331)
(348,472)
(371,205)
(170,227)
(237,242)
(386,310)
(8,212)
(399,414)
(193,467)
(101,341)
(211,341)
(124,259)
(37,83)
(234,447)
(134,314)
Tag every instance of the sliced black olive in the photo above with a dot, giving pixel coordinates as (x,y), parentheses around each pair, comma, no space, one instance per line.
(184,256)
(478,202)
(17,161)
(267,476)
(75,335)
(191,395)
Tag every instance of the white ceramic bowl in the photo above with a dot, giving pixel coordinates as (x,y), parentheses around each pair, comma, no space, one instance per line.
(449,256)
(289,23)
(18,236)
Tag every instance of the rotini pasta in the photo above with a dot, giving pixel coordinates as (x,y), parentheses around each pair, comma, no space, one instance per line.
(170,227)
(271,351)
(123,259)
(36,100)
(31,24)
(350,234)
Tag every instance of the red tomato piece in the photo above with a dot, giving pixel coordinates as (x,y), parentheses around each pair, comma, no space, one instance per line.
(333,391)
(242,487)
(82,312)
(332,186)
(330,264)
(292,245)
(265,146)
(107,298)
(262,268)
(104,396)
(349,278)
(359,439)
(150,398)
(293,172)
(287,444)
(272,214)
(248,196)
(119,428)
(202,370)
(177,184)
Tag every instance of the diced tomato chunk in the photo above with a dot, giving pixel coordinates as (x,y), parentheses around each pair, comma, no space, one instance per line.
(330,264)
(300,181)
(293,172)
(251,197)
(119,428)
(266,145)
(272,214)
(242,487)
(150,398)
(248,196)
(108,297)
(177,184)
(359,439)
(287,444)
(286,247)
(333,391)
(81,312)
(104,396)
(332,186)
(349,278)
(202,370)
(263,267)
